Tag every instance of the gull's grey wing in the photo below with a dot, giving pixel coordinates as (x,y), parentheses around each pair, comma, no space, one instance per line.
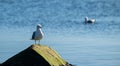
(33,35)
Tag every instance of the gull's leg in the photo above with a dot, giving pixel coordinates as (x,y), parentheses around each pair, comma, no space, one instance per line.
(35,41)
(39,42)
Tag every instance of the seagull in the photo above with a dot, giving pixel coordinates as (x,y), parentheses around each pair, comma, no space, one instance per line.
(89,20)
(38,34)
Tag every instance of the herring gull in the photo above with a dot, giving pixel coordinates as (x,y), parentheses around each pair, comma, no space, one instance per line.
(87,20)
(38,34)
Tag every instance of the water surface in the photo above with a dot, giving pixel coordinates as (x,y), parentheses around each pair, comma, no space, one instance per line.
(64,29)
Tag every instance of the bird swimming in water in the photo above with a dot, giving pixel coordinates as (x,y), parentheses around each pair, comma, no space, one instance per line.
(38,34)
(89,20)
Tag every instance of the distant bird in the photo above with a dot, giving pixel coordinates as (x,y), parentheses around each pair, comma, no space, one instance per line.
(87,20)
(38,34)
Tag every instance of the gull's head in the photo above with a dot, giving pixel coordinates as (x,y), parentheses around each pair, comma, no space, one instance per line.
(39,26)
(86,18)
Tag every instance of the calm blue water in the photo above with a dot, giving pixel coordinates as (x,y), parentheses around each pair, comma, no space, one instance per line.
(63,24)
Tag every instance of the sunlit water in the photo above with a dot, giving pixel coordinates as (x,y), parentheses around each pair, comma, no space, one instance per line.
(64,29)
